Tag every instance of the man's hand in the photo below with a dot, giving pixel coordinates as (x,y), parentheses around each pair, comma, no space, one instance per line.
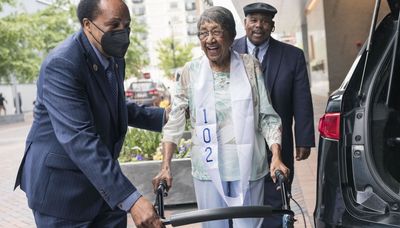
(144,214)
(302,153)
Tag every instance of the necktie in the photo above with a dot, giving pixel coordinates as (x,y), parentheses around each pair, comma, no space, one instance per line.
(255,52)
(112,80)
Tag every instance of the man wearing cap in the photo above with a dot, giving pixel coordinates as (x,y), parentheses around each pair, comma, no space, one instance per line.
(286,78)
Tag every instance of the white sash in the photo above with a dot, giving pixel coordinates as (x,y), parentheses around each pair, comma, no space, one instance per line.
(242,118)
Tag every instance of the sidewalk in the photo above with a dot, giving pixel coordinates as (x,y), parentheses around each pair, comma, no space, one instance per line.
(306,171)
(14,211)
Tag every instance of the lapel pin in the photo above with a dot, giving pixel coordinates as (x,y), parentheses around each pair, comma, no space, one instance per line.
(95,68)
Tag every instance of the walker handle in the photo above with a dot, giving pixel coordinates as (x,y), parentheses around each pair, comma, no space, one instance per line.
(159,204)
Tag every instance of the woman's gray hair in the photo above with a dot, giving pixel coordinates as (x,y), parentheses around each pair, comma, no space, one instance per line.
(221,16)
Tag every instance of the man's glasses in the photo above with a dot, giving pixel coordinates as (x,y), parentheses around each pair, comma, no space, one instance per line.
(214,33)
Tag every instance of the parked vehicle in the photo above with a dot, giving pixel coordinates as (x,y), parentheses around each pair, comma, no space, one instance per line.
(146,92)
(359,146)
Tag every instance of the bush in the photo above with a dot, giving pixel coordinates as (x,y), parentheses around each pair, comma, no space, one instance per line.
(139,145)
(146,145)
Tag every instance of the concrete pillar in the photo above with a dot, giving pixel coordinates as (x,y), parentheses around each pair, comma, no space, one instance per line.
(343,26)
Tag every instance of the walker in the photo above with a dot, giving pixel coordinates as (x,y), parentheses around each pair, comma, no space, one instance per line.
(228,212)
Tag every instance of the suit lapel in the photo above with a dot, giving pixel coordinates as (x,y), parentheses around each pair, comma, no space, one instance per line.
(271,62)
(99,74)
(241,46)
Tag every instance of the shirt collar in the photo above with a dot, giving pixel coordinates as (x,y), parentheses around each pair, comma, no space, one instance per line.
(103,60)
(263,48)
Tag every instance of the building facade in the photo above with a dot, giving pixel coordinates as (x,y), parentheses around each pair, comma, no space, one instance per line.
(330,32)
(176,19)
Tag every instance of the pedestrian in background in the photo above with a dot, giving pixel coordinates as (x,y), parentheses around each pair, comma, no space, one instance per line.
(231,118)
(19,103)
(70,170)
(2,104)
(286,78)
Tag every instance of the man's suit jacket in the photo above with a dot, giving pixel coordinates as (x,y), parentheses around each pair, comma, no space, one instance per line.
(286,78)
(70,167)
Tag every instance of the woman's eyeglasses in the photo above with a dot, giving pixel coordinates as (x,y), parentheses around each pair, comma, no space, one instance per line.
(214,33)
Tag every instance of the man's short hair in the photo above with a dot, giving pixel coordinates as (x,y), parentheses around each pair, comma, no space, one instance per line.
(88,9)
(260,7)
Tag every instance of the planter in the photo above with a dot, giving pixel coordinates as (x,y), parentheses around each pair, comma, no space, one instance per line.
(141,173)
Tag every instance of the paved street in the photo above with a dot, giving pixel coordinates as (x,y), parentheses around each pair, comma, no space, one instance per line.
(14,211)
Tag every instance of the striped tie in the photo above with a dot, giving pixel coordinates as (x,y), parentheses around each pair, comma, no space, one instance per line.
(255,52)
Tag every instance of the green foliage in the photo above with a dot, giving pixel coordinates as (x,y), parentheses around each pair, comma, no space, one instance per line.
(26,38)
(184,148)
(136,57)
(4,2)
(145,145)
(173,55)
(139,144)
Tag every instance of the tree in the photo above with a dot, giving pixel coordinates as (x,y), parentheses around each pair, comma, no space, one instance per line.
(26,38)
(136,57)
(3,2)
(173,55)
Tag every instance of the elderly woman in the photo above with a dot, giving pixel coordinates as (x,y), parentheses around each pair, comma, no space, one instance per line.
(230,116)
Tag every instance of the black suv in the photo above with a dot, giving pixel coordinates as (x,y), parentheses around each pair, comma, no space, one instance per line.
(359,147)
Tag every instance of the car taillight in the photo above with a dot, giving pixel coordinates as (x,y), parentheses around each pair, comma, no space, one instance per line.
(128,93)
(329,126)
(153,92)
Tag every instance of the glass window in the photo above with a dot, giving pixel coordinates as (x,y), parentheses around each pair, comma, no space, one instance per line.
(173,5)
(138,11)
(192,30)
(190,5)
(142,86)
(141,20)
(191,19)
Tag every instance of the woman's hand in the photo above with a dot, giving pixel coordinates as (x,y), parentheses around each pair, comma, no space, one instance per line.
(163,175)
(276,162)
(165,172)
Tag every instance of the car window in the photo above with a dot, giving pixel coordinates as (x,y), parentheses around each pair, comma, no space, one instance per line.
(141,86)
(350,73)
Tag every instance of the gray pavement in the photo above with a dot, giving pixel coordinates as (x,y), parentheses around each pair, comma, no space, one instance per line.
(14,211)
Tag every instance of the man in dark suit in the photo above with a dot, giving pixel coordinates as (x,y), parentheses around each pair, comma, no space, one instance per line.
(286,79)
(70,172)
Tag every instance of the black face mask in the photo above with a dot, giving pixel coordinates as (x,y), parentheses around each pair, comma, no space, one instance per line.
(114,43)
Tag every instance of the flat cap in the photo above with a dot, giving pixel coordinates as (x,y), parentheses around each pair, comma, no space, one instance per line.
(260,7)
